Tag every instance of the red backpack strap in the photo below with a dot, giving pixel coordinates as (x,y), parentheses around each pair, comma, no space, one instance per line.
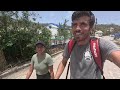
(71,44)
(94,46)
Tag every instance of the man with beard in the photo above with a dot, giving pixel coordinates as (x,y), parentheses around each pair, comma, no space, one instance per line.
(82,59)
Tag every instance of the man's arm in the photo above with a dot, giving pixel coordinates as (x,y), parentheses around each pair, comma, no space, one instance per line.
(115,57)
(61,68)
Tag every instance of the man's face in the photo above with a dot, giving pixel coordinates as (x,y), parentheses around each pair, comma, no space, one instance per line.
(81,28)
(40,48)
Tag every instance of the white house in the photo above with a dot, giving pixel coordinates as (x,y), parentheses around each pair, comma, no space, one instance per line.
(53,29)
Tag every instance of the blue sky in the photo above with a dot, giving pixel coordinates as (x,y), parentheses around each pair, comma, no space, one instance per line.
(103,17)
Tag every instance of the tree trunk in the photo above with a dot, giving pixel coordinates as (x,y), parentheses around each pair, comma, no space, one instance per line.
(2,61)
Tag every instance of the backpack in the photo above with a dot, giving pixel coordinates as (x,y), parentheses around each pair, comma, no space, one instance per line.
(95,50)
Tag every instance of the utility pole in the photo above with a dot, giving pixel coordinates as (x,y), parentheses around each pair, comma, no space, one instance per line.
(95,22)
(95,26)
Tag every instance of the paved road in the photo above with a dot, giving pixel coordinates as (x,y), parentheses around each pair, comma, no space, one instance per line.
(111,71)
(22,73)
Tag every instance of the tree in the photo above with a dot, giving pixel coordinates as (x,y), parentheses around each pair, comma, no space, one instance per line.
(63,30)
(5,19)
(18,35)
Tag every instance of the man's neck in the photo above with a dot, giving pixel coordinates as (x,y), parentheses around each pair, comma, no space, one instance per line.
(81,43)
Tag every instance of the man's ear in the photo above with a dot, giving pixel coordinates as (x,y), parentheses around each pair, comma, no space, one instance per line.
(92,30)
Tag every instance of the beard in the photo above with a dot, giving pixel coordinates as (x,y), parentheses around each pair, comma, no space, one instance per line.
(80,36)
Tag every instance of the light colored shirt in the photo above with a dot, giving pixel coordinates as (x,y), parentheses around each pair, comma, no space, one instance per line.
(41,64)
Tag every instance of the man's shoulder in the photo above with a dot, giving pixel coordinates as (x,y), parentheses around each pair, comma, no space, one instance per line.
(69,41)
(102,40)
(106,44)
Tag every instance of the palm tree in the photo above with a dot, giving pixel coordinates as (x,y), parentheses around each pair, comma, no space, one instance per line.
(62,30)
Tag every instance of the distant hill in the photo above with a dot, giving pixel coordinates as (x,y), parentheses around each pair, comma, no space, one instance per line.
(108,28)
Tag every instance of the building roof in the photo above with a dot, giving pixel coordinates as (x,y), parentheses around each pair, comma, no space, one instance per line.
(99,31)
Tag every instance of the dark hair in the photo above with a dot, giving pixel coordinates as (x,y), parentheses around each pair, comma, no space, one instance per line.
(78,14)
